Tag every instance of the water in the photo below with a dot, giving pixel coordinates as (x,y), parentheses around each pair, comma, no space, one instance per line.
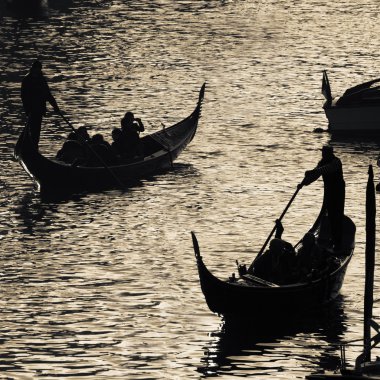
(105,285)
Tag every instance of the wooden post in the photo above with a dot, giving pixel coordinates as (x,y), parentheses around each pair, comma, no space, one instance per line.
(369,263)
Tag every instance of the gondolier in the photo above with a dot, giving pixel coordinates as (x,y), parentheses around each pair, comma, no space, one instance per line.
(330,168)
(35,93)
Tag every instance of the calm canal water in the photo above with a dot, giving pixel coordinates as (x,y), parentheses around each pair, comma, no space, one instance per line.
(105,285)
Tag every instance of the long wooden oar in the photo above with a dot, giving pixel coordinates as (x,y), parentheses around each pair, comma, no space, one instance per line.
(274,228)
(109,170)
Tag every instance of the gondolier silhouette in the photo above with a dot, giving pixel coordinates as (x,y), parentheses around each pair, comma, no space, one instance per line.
(330,168)
(35,92)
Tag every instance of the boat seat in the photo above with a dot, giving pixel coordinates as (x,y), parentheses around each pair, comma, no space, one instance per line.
(259,281)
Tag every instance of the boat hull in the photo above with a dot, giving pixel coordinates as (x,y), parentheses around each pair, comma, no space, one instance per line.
(52,176)
(353,119)
(230,300)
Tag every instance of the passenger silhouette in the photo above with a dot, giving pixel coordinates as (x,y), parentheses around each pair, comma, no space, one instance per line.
(131,127)
(278,262)
(101,151)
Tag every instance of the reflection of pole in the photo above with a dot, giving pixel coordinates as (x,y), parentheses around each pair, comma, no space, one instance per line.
(369,263)
(343,357)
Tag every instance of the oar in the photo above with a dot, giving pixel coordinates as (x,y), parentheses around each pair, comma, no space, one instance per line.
(109,170)
(274,228)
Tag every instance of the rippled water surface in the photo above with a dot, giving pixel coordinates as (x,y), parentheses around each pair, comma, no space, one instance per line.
(105,285)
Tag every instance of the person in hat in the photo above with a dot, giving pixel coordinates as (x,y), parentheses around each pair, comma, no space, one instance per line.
(330,168)
(35,92)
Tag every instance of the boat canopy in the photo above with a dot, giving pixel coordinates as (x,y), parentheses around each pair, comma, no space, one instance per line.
(367,93)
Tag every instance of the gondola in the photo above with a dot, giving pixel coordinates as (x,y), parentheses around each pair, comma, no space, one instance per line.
(160,150)
(255,298)
(357,111)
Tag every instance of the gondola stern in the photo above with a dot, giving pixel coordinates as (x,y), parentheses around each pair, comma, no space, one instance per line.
(17,151)
(24,145)
(30,159)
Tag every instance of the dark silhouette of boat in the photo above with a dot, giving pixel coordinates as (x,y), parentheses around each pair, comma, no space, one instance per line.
(255,298)
(24,3)
(365,368)
(357,111)
(160,150)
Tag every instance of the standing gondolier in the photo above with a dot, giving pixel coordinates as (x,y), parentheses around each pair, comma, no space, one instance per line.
(35,93)
(330,168)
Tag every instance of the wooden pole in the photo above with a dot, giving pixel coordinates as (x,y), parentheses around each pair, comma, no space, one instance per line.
(369,263)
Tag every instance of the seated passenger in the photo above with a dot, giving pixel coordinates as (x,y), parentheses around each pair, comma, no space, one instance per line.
(101,152)
(98,139)
(310,258)
(131,127)
(277,264)
(130,122)
(72,136)
(282,261)
(119,146)
(82,133)
(72,152)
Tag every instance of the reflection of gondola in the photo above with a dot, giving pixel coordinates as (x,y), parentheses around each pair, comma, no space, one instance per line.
(160,149)
(244,349)
(30,211)
(258,298)
(365,368)
(27,7)
(24,3)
